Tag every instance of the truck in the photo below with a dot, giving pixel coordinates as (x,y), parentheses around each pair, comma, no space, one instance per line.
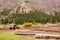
(27,24)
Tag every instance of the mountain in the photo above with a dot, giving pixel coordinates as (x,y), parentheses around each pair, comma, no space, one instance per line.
(48,6)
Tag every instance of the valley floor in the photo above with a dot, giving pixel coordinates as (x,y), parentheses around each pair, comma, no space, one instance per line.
(10,35)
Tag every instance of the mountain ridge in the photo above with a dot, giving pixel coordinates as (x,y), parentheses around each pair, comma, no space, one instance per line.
(48,6)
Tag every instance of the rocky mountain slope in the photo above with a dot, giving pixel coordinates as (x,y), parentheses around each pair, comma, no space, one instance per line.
(48,6)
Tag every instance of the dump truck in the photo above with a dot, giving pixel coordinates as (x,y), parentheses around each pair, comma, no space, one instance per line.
(27,24)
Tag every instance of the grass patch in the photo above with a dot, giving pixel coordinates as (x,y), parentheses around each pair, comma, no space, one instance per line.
(4,24)
(8,36)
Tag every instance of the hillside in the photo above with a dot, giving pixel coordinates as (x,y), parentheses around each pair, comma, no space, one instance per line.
(36,11)
(48,6)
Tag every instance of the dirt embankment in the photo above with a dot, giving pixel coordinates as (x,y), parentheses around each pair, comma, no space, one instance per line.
(45,27)
(52,28)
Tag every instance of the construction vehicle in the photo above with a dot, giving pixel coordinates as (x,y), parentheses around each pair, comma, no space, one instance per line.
(27,24)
